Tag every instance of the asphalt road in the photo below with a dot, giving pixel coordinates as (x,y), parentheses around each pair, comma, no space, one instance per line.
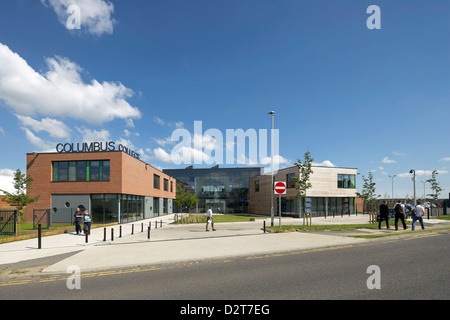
(415,267)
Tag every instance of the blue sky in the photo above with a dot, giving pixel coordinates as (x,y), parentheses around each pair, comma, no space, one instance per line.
(136,70)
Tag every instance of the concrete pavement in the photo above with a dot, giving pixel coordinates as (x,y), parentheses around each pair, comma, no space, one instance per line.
(173,243)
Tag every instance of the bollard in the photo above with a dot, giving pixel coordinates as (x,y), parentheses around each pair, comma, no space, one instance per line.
(39,236)
(120,231)
(264,228)
(148,233)
(156,224)
(161,224)
(142,227)
(112,234)
(132,229)
(86,237)
(104,234)
(150,225)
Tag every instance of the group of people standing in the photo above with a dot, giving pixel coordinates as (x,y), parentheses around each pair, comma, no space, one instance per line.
(82,217)
(416,213)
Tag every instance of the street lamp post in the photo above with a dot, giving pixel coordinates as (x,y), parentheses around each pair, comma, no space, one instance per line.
(272,113)
(392,177)
(414,184)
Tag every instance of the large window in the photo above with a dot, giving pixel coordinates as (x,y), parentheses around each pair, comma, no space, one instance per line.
(155,181)
(346,181)
(81,171)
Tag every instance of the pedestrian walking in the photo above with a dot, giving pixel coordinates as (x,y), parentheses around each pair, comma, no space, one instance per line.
(417,214)
(209,219)
(87,222)
(384,214)
(399,214)
(77,219)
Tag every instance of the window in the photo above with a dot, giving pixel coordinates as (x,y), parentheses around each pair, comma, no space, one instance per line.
(94,171)
(106,170)
(166,185)
(155,181)
(346,181)
(290,181)
(81,171)
(256,185)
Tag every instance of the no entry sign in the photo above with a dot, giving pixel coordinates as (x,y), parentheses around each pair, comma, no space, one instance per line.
(280,187)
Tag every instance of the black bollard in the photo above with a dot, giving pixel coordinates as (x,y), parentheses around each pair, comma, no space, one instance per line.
(132,229)
(112,234)
(156,224)
(161,224)
(148,233)
(86,234)
(142,227)
(120,231)
(264,227)
(39,236)
(104,234)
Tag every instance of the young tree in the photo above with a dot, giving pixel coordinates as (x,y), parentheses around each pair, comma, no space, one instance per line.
(191,201)
(19,197)
(302,183)
(435,187)
(180,197)
(368,192)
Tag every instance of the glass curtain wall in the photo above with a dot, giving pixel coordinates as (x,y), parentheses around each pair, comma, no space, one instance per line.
(105,208)
(319,206)
(225,189)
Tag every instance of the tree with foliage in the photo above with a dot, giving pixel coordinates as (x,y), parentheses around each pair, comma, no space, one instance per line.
(368,193)
(302,183)
(435,186)
(180,197)
(191,201)
(19,197)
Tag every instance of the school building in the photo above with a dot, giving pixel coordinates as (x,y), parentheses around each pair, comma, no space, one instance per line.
(108,180)
(333,191)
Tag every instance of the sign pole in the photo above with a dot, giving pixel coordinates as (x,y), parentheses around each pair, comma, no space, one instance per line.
(279,208)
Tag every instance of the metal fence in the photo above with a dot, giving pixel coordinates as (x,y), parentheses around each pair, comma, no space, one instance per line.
(8,221)
(41,217)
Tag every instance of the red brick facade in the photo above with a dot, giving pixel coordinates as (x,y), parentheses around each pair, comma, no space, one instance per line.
(128,175)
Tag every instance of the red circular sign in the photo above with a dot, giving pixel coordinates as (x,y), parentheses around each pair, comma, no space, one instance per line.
(280,187)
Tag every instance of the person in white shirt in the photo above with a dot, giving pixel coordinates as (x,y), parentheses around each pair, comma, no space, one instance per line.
(209,219)
(420,211)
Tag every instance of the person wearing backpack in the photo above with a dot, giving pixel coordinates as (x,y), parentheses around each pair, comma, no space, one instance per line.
(399,214)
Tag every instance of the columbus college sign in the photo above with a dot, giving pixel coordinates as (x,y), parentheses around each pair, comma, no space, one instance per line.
(94,147)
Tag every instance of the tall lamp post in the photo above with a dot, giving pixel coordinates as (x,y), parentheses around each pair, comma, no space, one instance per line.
(272,113)
(392,177)
(412,171)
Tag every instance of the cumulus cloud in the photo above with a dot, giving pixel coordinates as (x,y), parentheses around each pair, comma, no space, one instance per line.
(387,160)
(6,180)
(326,163)
(95,15)
(420,173)
(60,92)
(55,128)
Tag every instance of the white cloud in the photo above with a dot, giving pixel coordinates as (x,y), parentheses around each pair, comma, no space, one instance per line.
(325,163)
(2,131)
(387,160)
(6,180)
(42,145)
(161,122)
(60,92)
(55,128)
(420,173)
(90,135)
(445,159)
(95,15)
